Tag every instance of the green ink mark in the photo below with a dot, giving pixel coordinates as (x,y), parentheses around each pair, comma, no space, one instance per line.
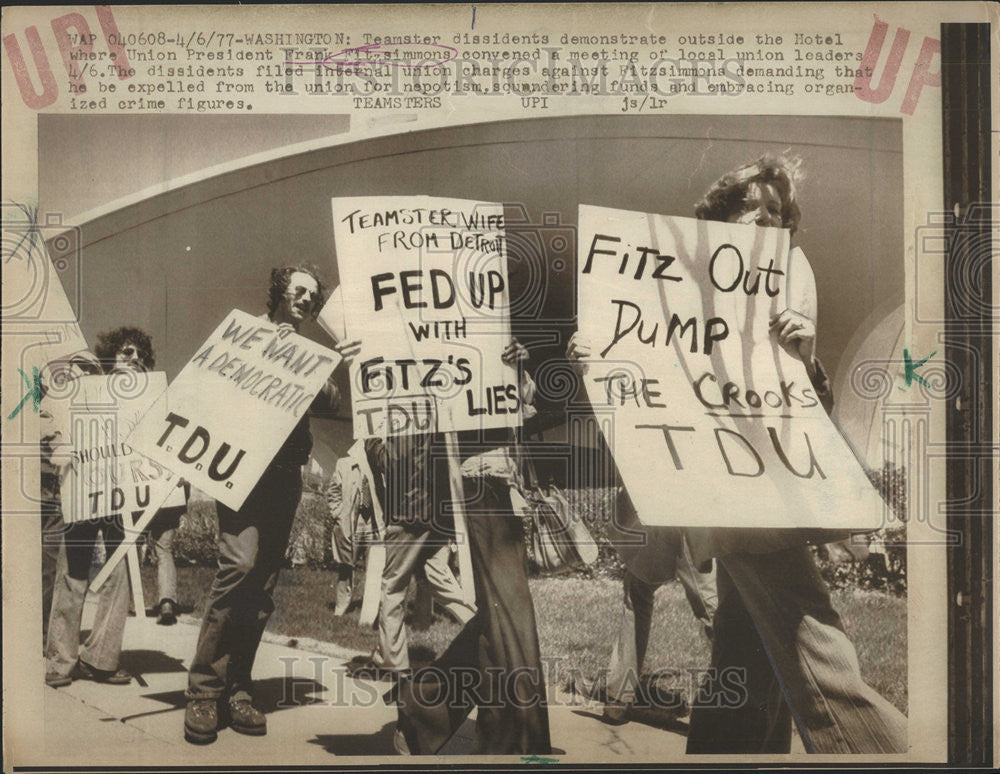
(910,368)
(34,392)
(537,759)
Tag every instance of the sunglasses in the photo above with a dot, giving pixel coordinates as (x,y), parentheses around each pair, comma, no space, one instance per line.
(300,292)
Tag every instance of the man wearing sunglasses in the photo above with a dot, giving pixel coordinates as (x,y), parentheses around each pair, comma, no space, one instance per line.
(252,545)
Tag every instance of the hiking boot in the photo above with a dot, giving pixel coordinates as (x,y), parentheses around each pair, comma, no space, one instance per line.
(168,613)
(201,721)
(85,671)
(245,718)
(56,680)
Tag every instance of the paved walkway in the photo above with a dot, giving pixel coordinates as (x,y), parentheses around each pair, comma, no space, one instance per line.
(316,714)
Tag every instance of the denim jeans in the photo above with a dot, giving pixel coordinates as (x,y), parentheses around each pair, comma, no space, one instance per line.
(252,544)
(52,535)
(161,533)
(629,650)
(407,551)
(780,654)
(104,644)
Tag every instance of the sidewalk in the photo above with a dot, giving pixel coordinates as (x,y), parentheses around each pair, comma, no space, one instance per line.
(316,714)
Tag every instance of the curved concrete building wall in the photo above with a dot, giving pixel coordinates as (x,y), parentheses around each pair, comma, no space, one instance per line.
(176,261)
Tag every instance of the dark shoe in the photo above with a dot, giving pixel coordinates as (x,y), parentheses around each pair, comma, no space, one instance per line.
(659,693)
(201,721)
(615,712)
(168,613)
(85,671)
(245,718)
(56,680)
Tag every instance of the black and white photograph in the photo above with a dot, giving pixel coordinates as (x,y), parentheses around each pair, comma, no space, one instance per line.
(344,429)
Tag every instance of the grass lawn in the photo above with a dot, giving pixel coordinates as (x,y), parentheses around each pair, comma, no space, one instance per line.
(577,621)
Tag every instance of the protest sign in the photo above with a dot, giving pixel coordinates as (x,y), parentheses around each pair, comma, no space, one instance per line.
(104,475)
(232,406)
(424,288)
(714,423)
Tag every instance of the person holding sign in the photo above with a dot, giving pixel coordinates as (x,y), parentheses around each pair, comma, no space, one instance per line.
(122,350)
(51,436)
(495,662)
(425,278)
(775,620)
(365,502)
(252,545)
(775,629)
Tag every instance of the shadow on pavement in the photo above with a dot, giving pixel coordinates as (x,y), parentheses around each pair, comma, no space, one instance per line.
(656,718)
(280,693)
(379,743)
(154,611)
(270,695)
(144,662)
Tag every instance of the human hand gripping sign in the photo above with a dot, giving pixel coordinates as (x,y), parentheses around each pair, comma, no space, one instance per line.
(797,334)
(578,351)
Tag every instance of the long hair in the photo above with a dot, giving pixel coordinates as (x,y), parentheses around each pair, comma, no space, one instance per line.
(729,192)
(279,284)
(110,343)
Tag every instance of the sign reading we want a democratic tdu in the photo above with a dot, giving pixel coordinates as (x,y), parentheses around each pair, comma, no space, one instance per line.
(224,417)
(715,424)
(423,284)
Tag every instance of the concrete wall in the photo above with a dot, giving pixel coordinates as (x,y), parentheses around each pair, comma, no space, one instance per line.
(174,263)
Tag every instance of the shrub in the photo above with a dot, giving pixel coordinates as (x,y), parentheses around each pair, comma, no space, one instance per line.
(885,568)
(309,543)
(196,539)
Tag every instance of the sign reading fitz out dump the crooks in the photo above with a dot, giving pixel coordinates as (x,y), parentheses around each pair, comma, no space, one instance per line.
(232,406)
(424,288)
(714,422)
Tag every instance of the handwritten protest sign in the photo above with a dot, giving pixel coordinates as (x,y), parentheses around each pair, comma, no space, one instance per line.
(232,406)
(714,423)
(424,288)
(104,475)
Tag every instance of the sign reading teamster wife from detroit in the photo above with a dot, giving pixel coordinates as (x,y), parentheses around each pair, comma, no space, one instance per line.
(230,409)
(714,423)
(423,284)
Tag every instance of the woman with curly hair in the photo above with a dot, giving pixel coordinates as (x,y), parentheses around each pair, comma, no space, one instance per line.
(121,349)
(125,348)
(729,197)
